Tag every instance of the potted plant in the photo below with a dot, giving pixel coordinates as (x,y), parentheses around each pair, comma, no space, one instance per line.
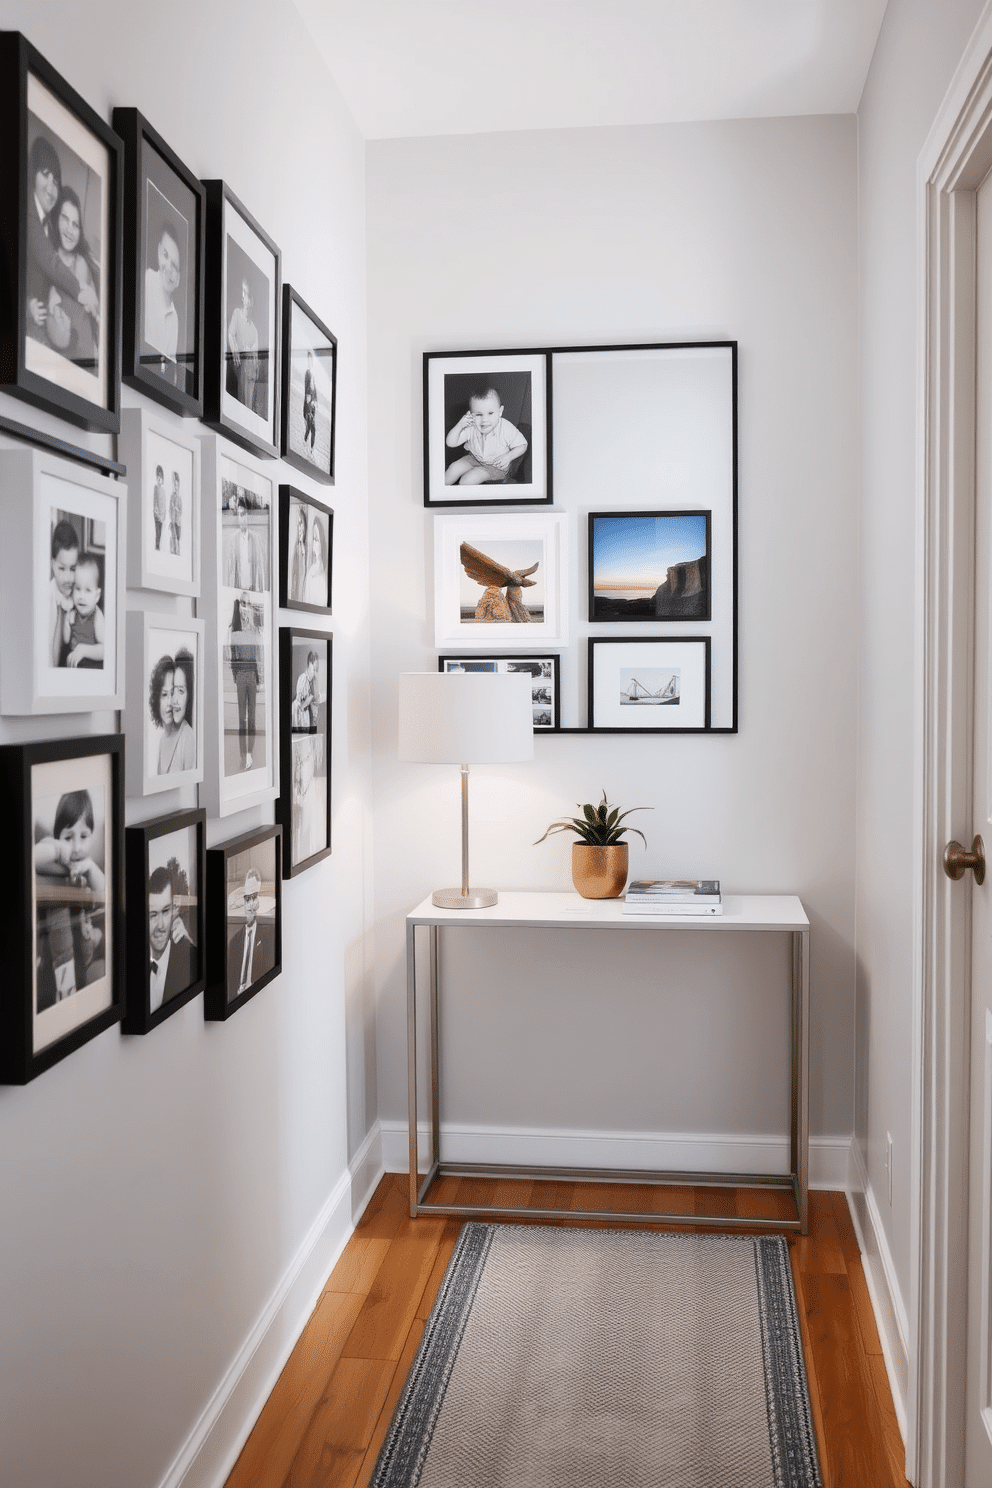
(599,858)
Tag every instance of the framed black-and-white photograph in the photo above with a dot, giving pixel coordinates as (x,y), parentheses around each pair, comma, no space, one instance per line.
(244,927)
(62,909)
(309,389)
(649,685)
(649,566)
(62,568)
(304,804)
(500,578)
(306,546)
(164,236)
(243,324)
(487,428)
(166,945)
(543,670)
(60,226)
(163,464)
(164,713)
(241,664)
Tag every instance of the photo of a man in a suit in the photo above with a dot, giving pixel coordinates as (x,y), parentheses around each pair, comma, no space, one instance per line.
(251,949)
(172,952)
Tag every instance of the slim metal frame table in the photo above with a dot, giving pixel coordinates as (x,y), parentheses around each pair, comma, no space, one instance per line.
(562,912)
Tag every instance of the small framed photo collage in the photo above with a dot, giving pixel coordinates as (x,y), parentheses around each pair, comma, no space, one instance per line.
(620,596)
(150,585)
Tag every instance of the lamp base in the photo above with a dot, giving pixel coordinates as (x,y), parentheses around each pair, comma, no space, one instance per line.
(455,899)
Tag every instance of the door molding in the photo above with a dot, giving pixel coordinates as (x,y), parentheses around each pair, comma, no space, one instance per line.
(955,159)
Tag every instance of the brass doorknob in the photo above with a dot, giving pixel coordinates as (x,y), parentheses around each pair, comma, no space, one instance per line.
(957,859)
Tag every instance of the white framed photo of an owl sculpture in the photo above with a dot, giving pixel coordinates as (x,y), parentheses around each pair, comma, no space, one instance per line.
(500,580)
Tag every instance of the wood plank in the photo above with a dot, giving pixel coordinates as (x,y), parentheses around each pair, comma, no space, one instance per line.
(358,1265)
(449,1239)
(333,1447)
(382,1324)
(868,1328)
(891,1436)
(389,1404)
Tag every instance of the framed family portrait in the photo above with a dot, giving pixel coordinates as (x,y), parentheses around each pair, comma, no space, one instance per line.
(164,710)
(60,229)
(241,664)
(649,566)
(62,909)
(62,567)
(500,578)
(244,929)
(163,269)
(163,464)
(543,671)
(306,544)
(647,685)
(487,428)
(166,944)
(243,325)
(304,805)
(309,389)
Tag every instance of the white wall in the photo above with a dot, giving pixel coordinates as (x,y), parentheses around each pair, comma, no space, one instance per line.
(731,230)
(157,1191)
(920,44)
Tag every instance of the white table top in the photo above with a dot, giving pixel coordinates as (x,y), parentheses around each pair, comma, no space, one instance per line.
(542,908)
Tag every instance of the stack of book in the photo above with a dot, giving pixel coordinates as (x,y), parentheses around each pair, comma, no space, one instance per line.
(673,896)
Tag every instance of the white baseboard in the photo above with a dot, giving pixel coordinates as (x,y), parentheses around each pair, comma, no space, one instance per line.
(829,1157)
(210,1451)
(883,1286)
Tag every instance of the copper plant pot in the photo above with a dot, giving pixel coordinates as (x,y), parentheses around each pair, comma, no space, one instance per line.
(599,872)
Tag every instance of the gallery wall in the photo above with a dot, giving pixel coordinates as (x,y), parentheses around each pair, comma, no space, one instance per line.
(169,1201)
(744,231)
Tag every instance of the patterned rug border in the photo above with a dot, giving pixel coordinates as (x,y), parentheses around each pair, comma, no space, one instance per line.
(792,1438)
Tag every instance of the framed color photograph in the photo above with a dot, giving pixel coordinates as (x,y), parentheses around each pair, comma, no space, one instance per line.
(244,929)
(62,568)
(243,325)
(500,578)
(240,672)
(166,945)
(543,670)
(304,805)
(649,685)
(164,210)
(163,463)
(60,228)
(649,566)
(309,388)
(165,702)
(62,909)
(487,428)
(306,545)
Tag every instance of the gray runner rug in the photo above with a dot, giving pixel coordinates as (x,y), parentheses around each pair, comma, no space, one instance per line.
(560,1358)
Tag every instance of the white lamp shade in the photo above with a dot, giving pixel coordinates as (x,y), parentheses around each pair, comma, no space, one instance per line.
(466,718)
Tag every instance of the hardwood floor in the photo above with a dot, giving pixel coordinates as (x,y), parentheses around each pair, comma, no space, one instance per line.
(324,1422)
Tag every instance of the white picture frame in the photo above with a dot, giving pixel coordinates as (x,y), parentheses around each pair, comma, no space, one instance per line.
(38,492)
(532,544)
(159,752)
(163,550)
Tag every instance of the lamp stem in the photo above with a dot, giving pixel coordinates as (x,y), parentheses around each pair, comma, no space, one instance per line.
(464,831)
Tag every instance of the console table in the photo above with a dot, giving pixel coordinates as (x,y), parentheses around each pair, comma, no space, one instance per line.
(567,913)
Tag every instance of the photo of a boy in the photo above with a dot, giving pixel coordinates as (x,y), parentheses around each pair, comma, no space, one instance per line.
(83,624)
(493,446)
(158,504)
(161,283)
(65,552)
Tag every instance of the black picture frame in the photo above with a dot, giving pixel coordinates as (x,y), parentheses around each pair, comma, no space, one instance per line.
(661,678)
(304,805)
(241,386)
(163,200)
(68,362)
(522,381)
(299,578)
(63,940)
(546,671)
(308,409)
(623,543)
(145,848)
(228,867)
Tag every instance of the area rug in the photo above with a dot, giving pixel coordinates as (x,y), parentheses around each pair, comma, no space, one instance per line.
(562,1358)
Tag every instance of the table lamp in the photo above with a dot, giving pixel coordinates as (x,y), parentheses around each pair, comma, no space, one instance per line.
(466,718)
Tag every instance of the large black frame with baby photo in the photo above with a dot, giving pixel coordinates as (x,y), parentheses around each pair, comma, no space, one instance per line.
(63,941)
(304,747)
(227,875)
(146,848)
(60,346)
(164,241)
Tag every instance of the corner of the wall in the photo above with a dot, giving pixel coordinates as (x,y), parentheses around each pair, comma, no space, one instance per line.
(883,1286)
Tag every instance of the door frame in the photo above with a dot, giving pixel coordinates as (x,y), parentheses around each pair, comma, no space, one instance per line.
(954,161)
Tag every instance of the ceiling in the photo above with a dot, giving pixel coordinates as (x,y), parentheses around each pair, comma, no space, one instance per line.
(421,67)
